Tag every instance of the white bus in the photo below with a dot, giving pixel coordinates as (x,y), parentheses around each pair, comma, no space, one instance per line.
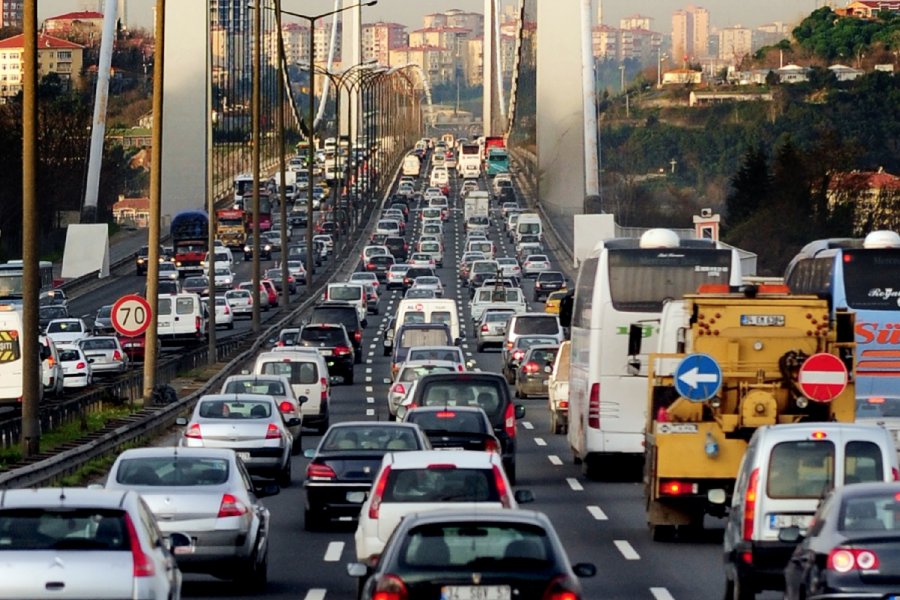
(625,281)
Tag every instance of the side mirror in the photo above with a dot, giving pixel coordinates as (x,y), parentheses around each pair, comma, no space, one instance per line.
(272,341)
(267,490)
(584,569)
(524,496)
(457,342)
(303,399)
(548,369)
(520,411)
(790,535)
(182,421)
(309,453)
(91,360)
(635,335)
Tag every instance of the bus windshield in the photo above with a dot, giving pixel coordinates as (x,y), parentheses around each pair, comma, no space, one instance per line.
(870,279)
(11,285)
(641,280)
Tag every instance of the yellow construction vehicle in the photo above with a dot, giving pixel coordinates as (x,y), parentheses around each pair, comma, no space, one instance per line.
(729,361)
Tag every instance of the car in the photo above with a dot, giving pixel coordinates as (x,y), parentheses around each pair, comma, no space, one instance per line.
(86,543)
(274,275)
(168,270)
(136,347)
(429,282)
(277,386)
(103,321)
(413,272)
(342,467)
(526,249)
(297,271)
(421,259)
(457,428)
(533,373)
(198,284)
(488,391)
(509,267)
(398,247)
(265,249)
(66,331)
(453,354)
(479,223)
(394,276)
(432,480)
(548,282)
(535,264)
(379,265)
(434,247)
(849,550)
(533,323)
(268,288)
(554,301)
(327,239)
(49,313)
(370,251)
(208,495)
(491,330)
(223,278)
(52,377)
(75,365)
(513,356)
(307,373)
(241,302)
(249,424)
(224,312)
(420,293)
(141,258)
(272,239)
(363,278)
(333,343)
(408,373)
(473,554)
(371,298)
(345,314)
(105,353)
(410,335)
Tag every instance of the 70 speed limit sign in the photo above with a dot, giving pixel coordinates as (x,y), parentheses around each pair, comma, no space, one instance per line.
(131,315)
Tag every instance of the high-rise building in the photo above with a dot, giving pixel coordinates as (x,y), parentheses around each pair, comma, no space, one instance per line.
(11,13)
(378,39)
(735,43)
(322,41)
(54,55)
(690,33)
(636,22)
(296,44)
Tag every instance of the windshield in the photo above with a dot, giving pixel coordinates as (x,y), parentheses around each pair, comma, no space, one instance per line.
(253,386)
(441,485)
(870,279)
(413,373)
(449,354)
(64,327)
(11,285)
(66,528)
(235,409)
(513,547)
(370,438)
(172,471)
(341,292)
(548,325)
(463,393)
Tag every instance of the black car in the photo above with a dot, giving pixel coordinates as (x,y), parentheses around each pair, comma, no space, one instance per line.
(298,252)
(402,207)
(346,461)
(140,259)
(103,321)
(333,343)
(48,313)
(398,246)
(517,551)
(196,285)
(345,314)
(414,272)
(547,282)
(380,265)
(457,427)
(852,549)
(486,390)
(265,249)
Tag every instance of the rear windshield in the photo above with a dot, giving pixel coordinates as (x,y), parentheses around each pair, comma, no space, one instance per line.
(801,469)
(413,373)
(235,409)
(537,325)
(370,438)
(448,420)
(343,292)
(464,393)
(64,327)
(252,386)
(382,260)
(345,316)
(484,267)
(441,316)
(451,354)
(175,471)
(441,485)
(552,276)
(69,355)
(422,337)
(99,344)
(322,336)
(45,528)
(544,356)
(873,512)
(512,547)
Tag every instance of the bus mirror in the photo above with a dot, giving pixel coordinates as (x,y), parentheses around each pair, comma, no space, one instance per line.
(844,326)
(635,335)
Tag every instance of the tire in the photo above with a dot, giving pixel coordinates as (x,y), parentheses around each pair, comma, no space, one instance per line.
(357,357)
(555,426)
(736,589)
(297,446)
(386,352)
(348,378)
(312,520)
(479,347)
(258,574)
(230,326)
(662,533)
(283,478)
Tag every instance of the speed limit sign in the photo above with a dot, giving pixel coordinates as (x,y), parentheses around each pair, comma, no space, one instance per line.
(131,315)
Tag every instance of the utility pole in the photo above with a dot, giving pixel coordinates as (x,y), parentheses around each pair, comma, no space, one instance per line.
(255,159)
(211,353)
(285,292)
(31,368)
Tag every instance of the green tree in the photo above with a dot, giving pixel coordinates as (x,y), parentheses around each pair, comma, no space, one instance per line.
(751,186)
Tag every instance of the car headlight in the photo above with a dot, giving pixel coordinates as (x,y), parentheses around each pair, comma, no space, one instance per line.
(246,248)
(177,263)
(268,247)
(140,260)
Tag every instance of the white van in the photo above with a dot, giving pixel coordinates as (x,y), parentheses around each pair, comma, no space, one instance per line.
(785,472)
(529,224)
(181,318)
(429,310)
(353,293)
(412,165)
(11,361)
(308,374)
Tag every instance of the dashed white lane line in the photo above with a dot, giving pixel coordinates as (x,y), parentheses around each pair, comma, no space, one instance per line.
(661,594)
(574,484)
(370,412)
(368,362)
(315,594)
(527,425)
(334,551)
(370,400)
(368,379)
(540,441)
(627,550)
(369,389)
(597,513)
(555,460)
(368,369)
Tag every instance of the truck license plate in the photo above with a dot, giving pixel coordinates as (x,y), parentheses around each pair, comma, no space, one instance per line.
(475,592)
(762,320)
(782,521)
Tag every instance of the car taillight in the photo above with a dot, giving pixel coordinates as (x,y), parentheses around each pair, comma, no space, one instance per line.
(398,389)
(518,355)
(116,355)
(370,266)
(51,363)
(677,488)
(378,493)
(563,404)
(509,420)
(273,432)
(142,565)
(193,432)
(561,588)
(197,323)
(509,345)
(81,365)
(895,474)
(492,446)
(286,407)
(341,350)
(502,489)
(227,311)
(750,505)
(594,407)
(317,472)
(844,560)
(460,368)
(230,507)
(485,327)
(530,367)
(390,587)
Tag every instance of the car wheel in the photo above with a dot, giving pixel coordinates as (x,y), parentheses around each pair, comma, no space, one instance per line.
(313,520)
(231,326)
(348,378)
(666,533)
(284,475)
(554,422)
(386,352)
(258,573)
(297,446)
(479,347)
(510,472)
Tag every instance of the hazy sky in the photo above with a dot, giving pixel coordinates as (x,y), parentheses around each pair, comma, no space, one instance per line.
(409,12)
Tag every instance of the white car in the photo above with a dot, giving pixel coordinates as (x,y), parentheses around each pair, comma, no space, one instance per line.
(535,264)
(297,271)
(67,331)
(429,283)
(104,353)
(224,278)
(509,267)
(51,371)
(409,372)
(421,259)
(363,278)
(327,240)
(432,192)
(424,480)
(241,302)
(224,313)
(168,270)
(76,368)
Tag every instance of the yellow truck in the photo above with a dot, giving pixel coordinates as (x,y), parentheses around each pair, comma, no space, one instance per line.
(765,344)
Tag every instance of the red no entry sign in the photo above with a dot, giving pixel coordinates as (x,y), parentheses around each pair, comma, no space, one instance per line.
(131,315)
(823,377)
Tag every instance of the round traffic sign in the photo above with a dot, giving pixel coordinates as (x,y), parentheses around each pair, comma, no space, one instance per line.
(823,377)
(698,377)
(131,315)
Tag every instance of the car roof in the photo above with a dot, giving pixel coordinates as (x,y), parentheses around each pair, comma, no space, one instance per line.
(174,451)
(427,362)
(438,347)
(63,498)
(513,515)
(239,396)
(421,459)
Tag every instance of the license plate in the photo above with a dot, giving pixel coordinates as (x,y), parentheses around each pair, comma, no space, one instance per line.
(782,521)
(762,320)
(162,324)
(325,352)
(450,448)
(476,592)
(356,497)
(244,456)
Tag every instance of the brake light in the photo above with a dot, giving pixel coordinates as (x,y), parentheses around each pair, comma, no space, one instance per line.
(509,345)
(509,420)
(227,311)
(530,367)
(594,407)
(502,489)
(895,474)
(677,488)
(750,504)
(272,432)
(342,350)
(197,323)
(485,327)
(317,472)
(193,431)
(81,365)
(390,587)
(370,266)
(460,368)
(116,355)
(492,446)
(230,507)
(378,493)
(844,560)
(445,414)
(286,407)
(518,355)
(357,335)
(142,566)
(563,404)
(399,389)
(560,589)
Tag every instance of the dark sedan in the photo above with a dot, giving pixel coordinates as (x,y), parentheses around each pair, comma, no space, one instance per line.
(196,285)
(344,464)
(48,313)
(103,321)
(455,428)
(548,282)
(474,554)
(853,548)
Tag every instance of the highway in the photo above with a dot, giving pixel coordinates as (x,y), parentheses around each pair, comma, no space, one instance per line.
(601,522)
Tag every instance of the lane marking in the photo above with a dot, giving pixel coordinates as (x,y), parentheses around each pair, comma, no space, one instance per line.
(368,380)
(370,412)
(540,441)
(661,593)
(368,362)
(597,513)
(627,550)
(527,425)
(555,460)
(369,389)
(334,551)
(370,400)
(315,594)
(574,484)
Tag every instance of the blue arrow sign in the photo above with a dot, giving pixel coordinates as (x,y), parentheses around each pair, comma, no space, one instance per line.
(698,377)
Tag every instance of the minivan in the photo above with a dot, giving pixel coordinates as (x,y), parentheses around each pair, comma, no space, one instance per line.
(785,473)
(353,293)
(533,324)
(308,374)
(181,317)
(430,310)
(417,334)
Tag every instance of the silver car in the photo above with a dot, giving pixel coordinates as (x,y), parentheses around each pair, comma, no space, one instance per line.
(428,282)
(409,372)
(491,331)
(105,353)
(208,495)
(249,424)
(241,302)
(85,543)
(277,386)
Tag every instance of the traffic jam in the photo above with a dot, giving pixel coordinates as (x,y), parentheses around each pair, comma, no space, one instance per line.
(462,417)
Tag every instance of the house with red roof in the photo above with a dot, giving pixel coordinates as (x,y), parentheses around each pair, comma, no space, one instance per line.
(84,27)
(874,197)
(55,55)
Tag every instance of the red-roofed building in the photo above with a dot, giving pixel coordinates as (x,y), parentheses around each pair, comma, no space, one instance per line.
(132,211)
(62,57)
(378,39)
(869,9)
(437,63)
(84,27)
(873,195)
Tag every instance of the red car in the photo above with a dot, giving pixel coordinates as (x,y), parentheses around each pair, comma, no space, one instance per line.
(135,347)
(270,289)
